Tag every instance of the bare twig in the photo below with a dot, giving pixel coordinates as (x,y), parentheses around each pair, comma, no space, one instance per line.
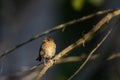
(52,30)
(89,56)
(85,38)
(84,56)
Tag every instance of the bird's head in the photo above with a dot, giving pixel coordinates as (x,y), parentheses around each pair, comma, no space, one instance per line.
(48,39)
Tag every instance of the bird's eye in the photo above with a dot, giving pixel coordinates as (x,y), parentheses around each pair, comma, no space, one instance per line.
(48,39)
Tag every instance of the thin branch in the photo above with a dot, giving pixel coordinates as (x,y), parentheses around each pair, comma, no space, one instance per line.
(89,56)
(54,29)
(85,38)
(75,58)
(84,56)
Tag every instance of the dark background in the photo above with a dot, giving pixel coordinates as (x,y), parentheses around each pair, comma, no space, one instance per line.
(22,19)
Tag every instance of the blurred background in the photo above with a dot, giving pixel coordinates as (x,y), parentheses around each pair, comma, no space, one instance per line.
(22,19)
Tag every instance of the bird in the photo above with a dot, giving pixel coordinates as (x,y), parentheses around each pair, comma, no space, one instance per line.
(47,49)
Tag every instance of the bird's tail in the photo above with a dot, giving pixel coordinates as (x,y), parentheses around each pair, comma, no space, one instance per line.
(39,58)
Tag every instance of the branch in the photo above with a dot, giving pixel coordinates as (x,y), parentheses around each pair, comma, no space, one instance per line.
(62,26)
(85,38)
(84,56)
(89,56)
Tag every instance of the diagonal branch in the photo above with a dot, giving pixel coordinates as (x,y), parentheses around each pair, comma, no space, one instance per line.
(62,26)
(89,56)
(85,38)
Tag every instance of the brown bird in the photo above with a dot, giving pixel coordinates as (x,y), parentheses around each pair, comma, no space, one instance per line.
(47,49)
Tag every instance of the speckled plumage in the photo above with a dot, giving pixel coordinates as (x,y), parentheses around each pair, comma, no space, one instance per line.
(47,49)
